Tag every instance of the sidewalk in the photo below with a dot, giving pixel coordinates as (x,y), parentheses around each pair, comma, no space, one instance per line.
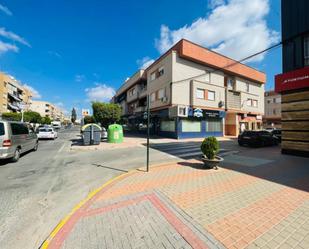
(180,205)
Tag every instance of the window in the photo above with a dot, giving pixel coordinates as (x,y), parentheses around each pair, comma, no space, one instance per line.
(214,125)
(306,50)
(254,103)
(268,101)
(153,76)
(18,129)
(274,100)
(230,83)
(182,111)
(160,71)
(247,87)
(161,93)
(200,93)
(167,125)
(274,111)
(2,131)
(211,95)
(153,97)
(191,126)
(249,102)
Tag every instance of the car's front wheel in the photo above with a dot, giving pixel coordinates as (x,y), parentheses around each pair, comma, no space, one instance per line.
(16,156)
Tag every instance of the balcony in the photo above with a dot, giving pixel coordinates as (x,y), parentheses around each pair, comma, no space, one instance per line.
(140,109)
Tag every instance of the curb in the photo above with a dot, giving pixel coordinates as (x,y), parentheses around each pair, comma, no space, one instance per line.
(63,221)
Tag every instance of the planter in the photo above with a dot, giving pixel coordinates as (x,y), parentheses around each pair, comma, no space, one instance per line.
(212,163)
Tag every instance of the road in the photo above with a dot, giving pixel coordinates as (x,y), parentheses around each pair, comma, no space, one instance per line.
(44,186)
(40,189)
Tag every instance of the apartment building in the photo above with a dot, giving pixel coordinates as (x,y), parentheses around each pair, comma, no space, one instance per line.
(194,92)
(14,95)
(272,114)
(47,109)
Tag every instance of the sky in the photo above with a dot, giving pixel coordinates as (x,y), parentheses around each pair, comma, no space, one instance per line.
(73,52)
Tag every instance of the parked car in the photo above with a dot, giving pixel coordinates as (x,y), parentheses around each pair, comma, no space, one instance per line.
(103,133)
(277,134)
(47,133)
(257,138)
(16,138)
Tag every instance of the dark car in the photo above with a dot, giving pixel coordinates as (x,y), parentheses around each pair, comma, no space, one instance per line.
(257,138)
(277,134)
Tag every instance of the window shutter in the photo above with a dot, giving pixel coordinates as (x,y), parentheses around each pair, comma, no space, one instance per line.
(206,94)
(225,81)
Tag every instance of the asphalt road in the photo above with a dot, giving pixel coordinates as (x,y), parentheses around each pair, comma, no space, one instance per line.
(40,189)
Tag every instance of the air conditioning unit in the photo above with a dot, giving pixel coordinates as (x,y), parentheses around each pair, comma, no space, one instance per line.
(178,111)
(164,99)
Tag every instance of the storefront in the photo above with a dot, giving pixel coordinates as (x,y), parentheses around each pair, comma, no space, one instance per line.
(197,123)
(235,123)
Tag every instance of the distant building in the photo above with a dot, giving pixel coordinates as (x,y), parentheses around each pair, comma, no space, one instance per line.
(85,112)
(194,92)
(272,114)
(13,95)
(293,83)
(47,109)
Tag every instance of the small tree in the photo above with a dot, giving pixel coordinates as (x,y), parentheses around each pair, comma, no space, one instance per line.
(46,120)
(106,113)
(73,115)
(32,117)
(89,120)
(11,116)
(210,147)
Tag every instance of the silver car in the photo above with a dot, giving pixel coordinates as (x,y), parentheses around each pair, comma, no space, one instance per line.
(16,138)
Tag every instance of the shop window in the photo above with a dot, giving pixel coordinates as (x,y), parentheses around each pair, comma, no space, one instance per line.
(167,125)
(214,125)
(191,126)
(200,93)
(211,95)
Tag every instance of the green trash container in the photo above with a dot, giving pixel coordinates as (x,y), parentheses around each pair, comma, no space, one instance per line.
(115,133)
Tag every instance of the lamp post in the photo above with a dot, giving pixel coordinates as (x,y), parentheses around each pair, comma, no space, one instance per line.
(147,116)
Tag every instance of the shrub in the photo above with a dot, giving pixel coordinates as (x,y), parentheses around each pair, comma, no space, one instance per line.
(11,116)
(89,120)
(210,147)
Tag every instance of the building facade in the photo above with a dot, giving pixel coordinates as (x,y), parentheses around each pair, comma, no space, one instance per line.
(47,109)
(293,83)
(194,92)
(14,96)
(272,114)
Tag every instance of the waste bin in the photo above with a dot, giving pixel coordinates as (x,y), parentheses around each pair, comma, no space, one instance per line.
(91,134)
(115,133)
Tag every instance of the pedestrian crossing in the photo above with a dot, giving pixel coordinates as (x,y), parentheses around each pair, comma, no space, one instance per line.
(185,150)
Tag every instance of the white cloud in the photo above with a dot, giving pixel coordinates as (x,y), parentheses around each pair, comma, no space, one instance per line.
(144,62)
(5,10)
(14,37)
(214,3)
(79,77)
(35,93)
(5,47)
(101,92)
(236,28)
